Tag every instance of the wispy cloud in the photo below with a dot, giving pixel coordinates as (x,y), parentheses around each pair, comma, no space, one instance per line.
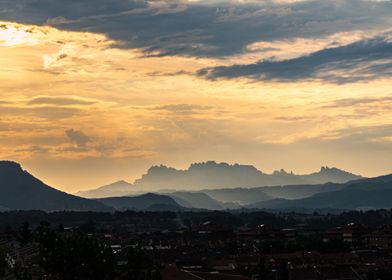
(46,100)
(78,137)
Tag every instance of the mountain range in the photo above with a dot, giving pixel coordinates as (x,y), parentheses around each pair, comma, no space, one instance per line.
(362,194)
(19,190)
(213,175)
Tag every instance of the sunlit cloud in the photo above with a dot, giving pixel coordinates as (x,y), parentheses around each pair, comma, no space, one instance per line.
(277,84)
(13,35)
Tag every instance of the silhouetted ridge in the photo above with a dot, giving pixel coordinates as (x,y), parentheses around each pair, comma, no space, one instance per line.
(213,175)
(372,193)
(119,188)
(19,190)
(212,165)
(196,200)
(333,171)
(9,166)
(142,202)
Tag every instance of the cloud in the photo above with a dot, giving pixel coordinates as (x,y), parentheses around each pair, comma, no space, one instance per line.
(362,60)
(202,28)
(350,102)
(183,108)
(78,137)
(267,30)
(46,112)
(378,136)
(61,101)
(34,149)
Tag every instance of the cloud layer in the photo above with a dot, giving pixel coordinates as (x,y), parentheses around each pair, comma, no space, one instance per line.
(220,29)
(117,86)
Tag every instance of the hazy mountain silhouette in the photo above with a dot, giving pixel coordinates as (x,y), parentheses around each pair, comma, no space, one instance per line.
(196,200)
(360,194)
(141,202)
(119,188)
(299,191)
(241,196)
(222,175)
(233,198)
(19,190)
(163,207)
(212,175)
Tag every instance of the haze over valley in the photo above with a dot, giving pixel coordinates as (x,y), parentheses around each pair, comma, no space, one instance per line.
(212,186)
(210,175)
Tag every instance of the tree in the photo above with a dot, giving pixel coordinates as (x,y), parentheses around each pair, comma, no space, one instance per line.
(74,256)
(3,263)
(140,266)
(24,234)
(22,273)
(262,269)
(88,227)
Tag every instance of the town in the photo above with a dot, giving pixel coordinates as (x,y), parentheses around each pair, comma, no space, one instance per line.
(191,245)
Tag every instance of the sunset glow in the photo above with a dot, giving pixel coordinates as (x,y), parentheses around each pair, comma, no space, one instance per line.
(81,107)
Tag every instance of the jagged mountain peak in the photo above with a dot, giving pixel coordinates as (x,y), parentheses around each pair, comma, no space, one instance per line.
(282,172)
(332,170)
(212,174)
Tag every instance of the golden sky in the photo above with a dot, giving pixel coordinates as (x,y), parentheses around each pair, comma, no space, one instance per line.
(80,107)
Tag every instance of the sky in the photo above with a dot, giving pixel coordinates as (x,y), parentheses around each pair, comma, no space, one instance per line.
(94,91)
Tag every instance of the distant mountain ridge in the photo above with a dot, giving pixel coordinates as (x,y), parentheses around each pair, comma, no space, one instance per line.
(196,200)
(371,193)
(241,196)
(119,188)
(213,175)
(145,202)
(19,190)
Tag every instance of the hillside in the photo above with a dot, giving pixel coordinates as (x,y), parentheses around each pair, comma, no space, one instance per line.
(299,191)
(242,196)
(19,190)
(196,200)
(142,202)
(370,193)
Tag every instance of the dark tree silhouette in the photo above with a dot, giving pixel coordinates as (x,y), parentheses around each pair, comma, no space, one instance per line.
(72,256)
(140,267)
(3,263)
(24,234)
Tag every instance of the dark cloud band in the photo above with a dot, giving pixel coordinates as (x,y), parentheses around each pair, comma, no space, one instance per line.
(367,59)
(225,28)
(209,29)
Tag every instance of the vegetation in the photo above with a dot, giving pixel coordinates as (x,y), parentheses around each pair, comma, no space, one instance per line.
(140,267)
(78,254)
(82,251)
(301,243)
(25,235)
(3,263)
(169,220)
(74,255)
